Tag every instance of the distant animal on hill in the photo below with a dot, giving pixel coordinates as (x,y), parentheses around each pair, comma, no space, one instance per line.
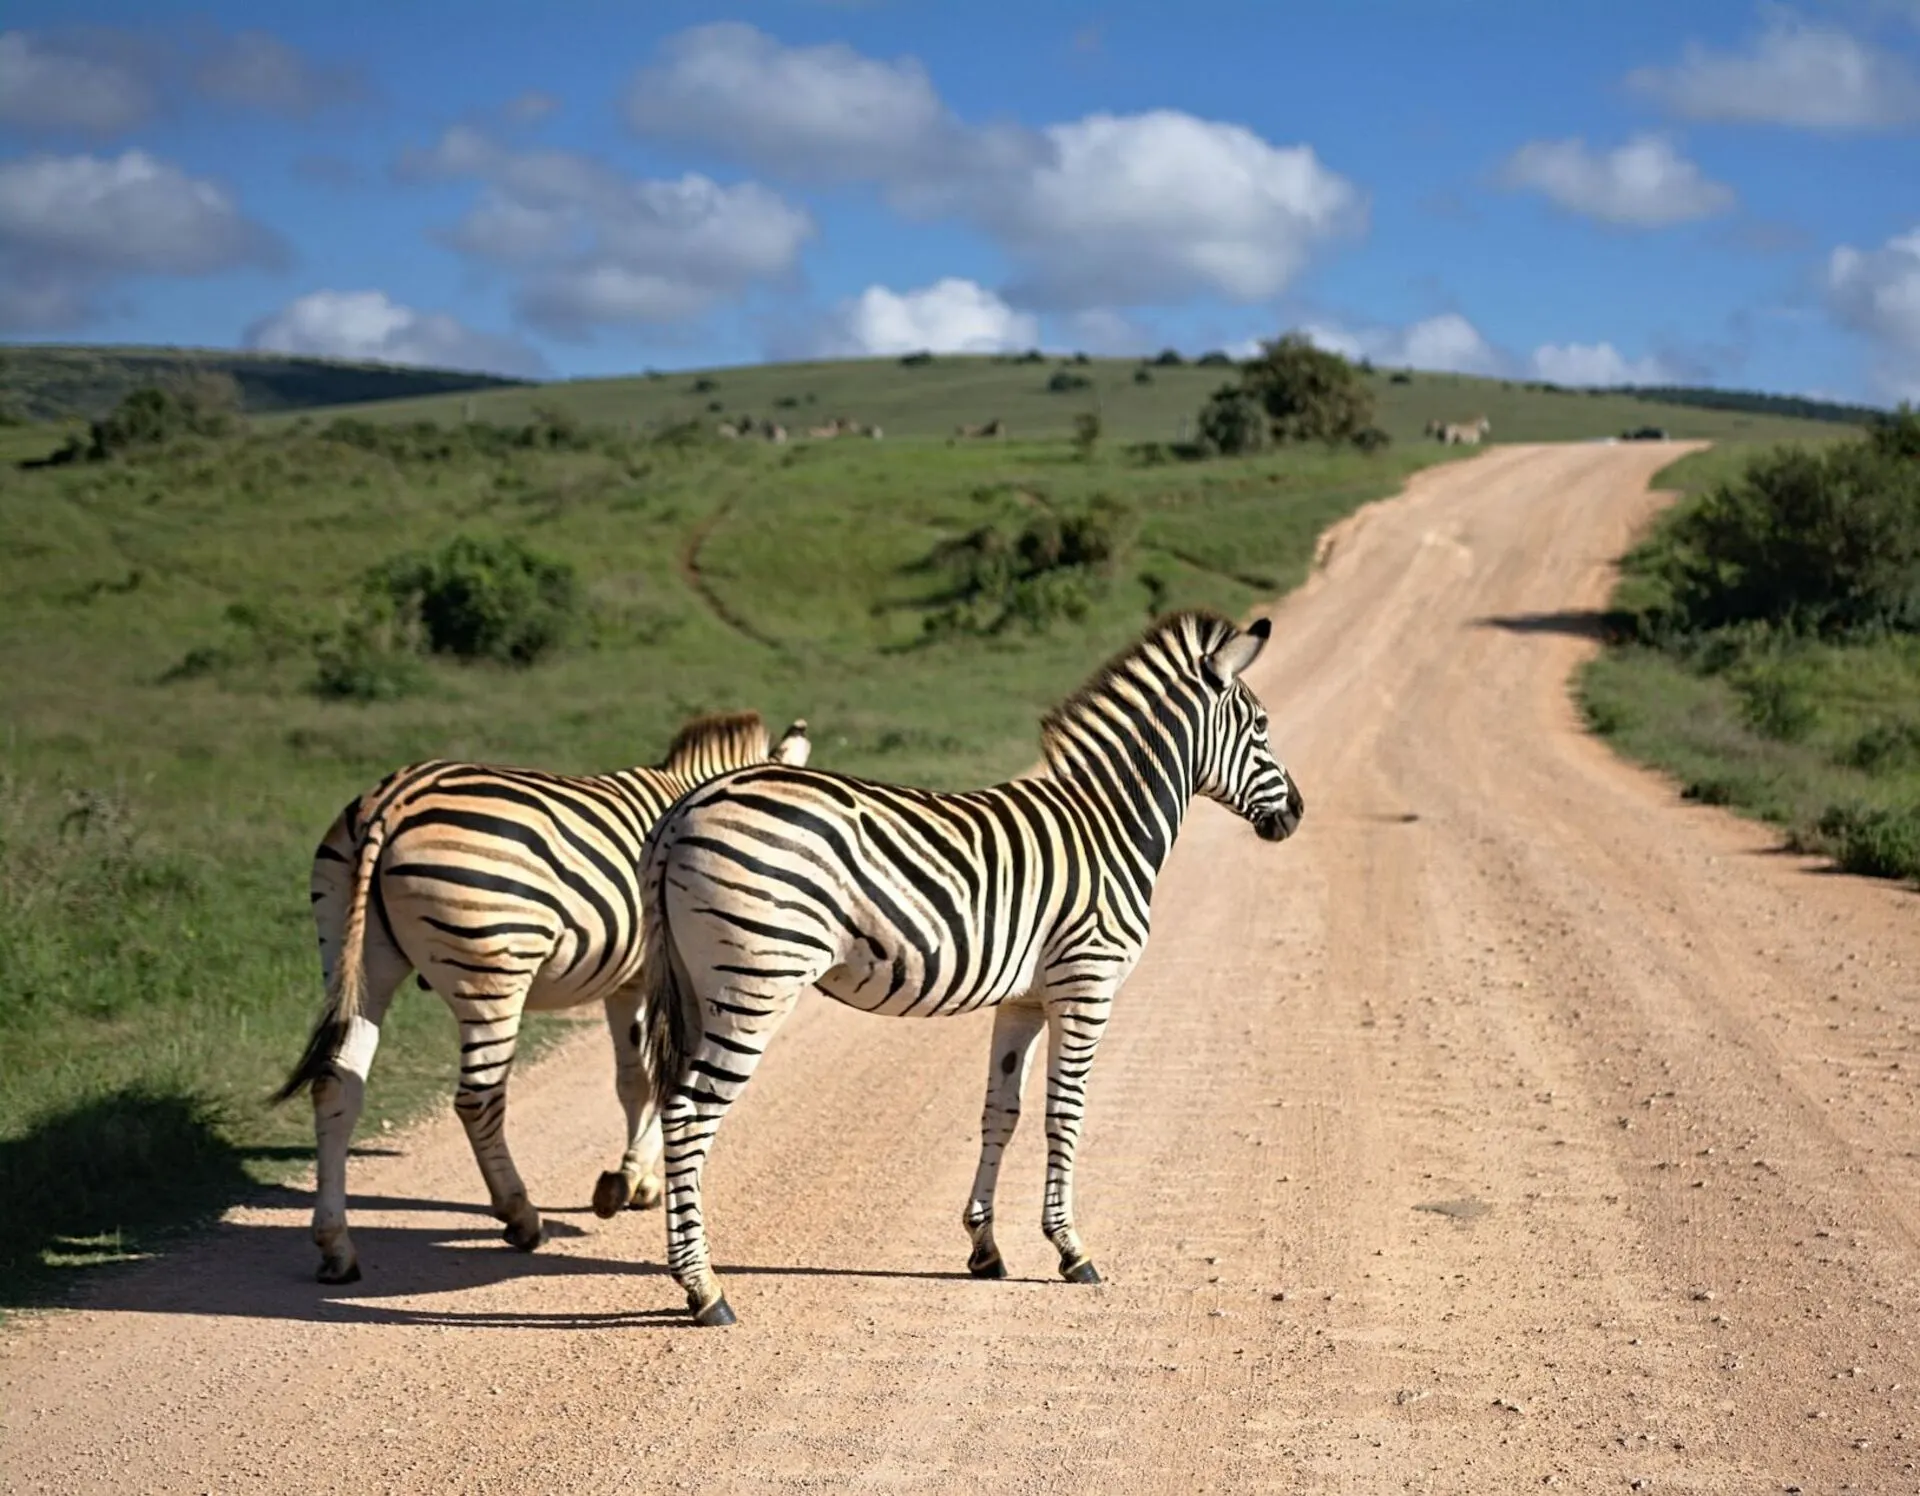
(995,427)
(1466,433)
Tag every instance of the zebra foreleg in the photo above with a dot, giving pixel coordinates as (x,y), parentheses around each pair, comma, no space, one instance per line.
(489,1035)
(1074,1026)
(1015,1027)
(636,1182)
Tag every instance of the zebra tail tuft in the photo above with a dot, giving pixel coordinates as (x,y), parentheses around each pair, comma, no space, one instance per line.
(669,1021)
(346,992)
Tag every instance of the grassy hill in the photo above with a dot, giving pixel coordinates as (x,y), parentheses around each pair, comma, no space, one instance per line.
(48,383)
(930,399)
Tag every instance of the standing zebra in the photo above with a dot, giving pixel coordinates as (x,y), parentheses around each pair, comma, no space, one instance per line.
(1031,897)
(506,890)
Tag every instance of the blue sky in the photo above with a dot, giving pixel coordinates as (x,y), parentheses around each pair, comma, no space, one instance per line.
(1710,192)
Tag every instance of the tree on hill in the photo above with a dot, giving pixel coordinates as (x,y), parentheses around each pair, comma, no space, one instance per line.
(1309,393)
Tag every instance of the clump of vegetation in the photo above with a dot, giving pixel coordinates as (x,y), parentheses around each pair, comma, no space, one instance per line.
(1214,359)
(199,403)
(1143,375)
(1294,392)
(1877,841)
(1065,382)
(480,599)
(1233,423)
(916,360)
(1086,434)
(706,384)
(1052,566)
(1168,358)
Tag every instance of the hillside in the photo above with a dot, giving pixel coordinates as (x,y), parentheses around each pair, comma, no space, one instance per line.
(52,382)
(930,399)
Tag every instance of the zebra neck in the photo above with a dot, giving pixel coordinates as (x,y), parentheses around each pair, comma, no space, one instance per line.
(1134,787)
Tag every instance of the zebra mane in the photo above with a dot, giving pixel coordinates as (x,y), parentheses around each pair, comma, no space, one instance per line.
(729,737)
(1188,635)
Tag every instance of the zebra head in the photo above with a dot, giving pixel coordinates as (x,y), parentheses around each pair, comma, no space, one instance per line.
(1237,766)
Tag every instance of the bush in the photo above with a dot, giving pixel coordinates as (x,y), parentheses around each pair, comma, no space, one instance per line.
(1877,842)
(1400,376)
(1053,567)
(1168,358)
(365,662)
(1372,439)
(1065,381)
(1232,423)
(705,385)
(480,599)
(1080,358)
(916,360)
(1885,748)
(1086,434)
(1309,394)
(1214,359)
(153,416)
(1031,356)
(1824,543)
(1898,435)
(1143,376)
(1775,705)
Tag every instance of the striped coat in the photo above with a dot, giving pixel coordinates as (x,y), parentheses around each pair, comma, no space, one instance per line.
(1031,898)
(506,890)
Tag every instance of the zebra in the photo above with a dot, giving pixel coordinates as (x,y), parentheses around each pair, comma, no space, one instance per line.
(1030,897)
(1467,433)
(506,890)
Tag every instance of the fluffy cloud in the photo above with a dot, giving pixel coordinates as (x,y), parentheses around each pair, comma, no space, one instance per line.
(1594,364)
(823,112)
(1645,183)
(253,70)
(1104,211)
(590,245)
(1446,344)
(1793,73)
(370,325)
(950,316)
(102,81)
(70,226)
(1877,292)
(76,85)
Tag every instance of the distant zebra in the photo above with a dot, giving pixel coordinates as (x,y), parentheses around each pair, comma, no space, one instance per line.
(506,890)
(1466,433)
(1031,897)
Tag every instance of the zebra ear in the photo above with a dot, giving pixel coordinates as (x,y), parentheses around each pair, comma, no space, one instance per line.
(794,745)
(1239,651)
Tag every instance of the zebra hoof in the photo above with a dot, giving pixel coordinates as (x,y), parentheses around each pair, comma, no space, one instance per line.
(611,1194)
(1079,1272)
(525,1236)
(987,1265)
(649,1194)
(715,1316)
(332,1272)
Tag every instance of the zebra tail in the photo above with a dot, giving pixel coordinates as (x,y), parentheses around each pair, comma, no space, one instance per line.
(346,992)
(669,1016)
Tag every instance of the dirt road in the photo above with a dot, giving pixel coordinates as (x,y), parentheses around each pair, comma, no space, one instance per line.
(1515,1126)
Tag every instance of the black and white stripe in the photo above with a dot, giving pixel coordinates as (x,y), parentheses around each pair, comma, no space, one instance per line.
(1031,898)
(506,890)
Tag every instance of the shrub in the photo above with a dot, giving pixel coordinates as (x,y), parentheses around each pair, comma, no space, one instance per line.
(153,416)
(1825,543)
(1878,842)
(1065,381)
(1400,376)
(1143,376)
(916,360)
(1168,358)
(1081,358)
(1053,567)
(1309,393)
(1886,747)
(1775,705)
(1898,435)
(365,662)
(1086,434)
(1031,356)
(705,385)
(481,599)
(1372,439)
(1232,423)
(1214,359)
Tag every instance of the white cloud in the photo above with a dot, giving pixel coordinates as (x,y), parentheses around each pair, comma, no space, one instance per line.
(1586,365)
(1877,292)
(1645,183)
(1104,211)
(254,70)
(1794,73)
(372,326)
(72,225)
(1446,344)
(950,316)
(530,107)
(823,111)
(591,245)
(48,85)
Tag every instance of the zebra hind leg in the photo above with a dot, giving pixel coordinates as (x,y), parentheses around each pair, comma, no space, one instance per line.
(1015,1027)
(1074,1027)
(636,1183)
(489,1035)
(734,1032)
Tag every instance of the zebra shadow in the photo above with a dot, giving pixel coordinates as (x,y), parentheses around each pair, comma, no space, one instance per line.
(248,1269)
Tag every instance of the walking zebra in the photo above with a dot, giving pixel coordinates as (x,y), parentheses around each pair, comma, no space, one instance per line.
(506,890)
(1031,897)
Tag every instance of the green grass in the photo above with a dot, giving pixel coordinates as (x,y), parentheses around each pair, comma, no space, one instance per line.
(930,400)
(157,822)
(1819,738)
